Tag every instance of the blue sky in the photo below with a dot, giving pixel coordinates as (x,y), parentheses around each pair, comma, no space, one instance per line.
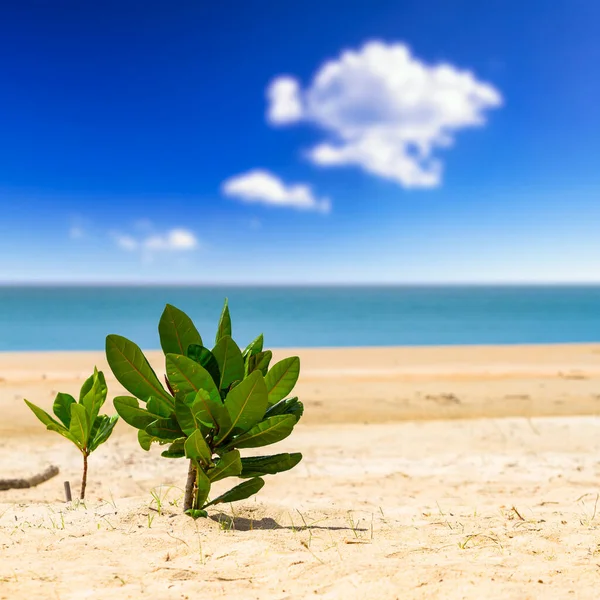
(280,142)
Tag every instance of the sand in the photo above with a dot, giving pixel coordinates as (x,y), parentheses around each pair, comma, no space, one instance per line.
(468,472)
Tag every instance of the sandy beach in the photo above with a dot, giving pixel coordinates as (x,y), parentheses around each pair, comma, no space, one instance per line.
(455,472)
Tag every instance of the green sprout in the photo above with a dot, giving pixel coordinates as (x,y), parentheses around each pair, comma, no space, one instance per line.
(80,421)
(217,402)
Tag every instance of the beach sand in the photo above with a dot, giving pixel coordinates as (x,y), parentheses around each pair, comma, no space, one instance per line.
(467,472)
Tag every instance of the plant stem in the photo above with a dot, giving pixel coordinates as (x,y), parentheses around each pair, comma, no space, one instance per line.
(84,476)
(188,501)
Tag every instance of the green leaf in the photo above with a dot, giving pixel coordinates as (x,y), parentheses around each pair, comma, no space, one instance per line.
(230,360)
(177,331)
(160,406)
(255,346)
(204,357)
(269,431)
(188,377)
(41,414)
(129,410)
(239,492)
(101,431)
(246,405)
(145,439)
(197,449)
(259,362)
(289,406)
(196,513)
(202,489)
(257,466)
(166,430)
(132,370)
(79,427)
(205,414)
(211,411)
(93,396)
(62,407)
(282,378)
(229,465)
(49,422)
(224,327)
(175,450)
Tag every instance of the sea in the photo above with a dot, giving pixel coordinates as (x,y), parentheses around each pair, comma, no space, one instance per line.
(79,318)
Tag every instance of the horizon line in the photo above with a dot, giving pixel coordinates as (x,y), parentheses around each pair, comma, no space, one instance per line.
(59,283)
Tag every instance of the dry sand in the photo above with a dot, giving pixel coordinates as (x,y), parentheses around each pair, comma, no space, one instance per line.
(427,473)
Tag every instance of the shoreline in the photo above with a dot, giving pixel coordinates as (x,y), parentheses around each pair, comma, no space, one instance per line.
(363,385)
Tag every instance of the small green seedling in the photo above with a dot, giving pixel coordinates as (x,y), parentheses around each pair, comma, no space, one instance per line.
(217,402)
(80,421)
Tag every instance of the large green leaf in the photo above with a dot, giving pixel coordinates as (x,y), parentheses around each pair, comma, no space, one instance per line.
(50,423)
(203,356)
(188,377)
(175,450)
(269,431)
(202,489)
(255,346)
(62,407)
(282,378)
(79,427)
(101,431)
(166,430)
(145,439)
(197,449)
(159,406)
(177,331)
(246,404)
(259,362)
(224,327)
(229,465)
(132,370)
(289,406)
(130,411)
(210,410)
(257,466)
(239,492)
(93,396)
(230,360)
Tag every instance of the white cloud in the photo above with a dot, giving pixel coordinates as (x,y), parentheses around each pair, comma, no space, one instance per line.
(284,100)
(76,232)
(177,239)
(384,111)
(126,242)
(263,187)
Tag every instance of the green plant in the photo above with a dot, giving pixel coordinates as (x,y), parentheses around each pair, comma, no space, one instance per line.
(217,402)
(80,421)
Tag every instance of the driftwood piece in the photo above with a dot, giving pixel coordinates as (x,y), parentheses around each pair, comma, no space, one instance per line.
(13,484)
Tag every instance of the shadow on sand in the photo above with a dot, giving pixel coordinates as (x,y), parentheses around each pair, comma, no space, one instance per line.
(245,524)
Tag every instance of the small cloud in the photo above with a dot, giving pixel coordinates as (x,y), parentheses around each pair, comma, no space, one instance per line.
(262,187)
(384,110)
(76,232)
(174,240)
(126,242)
(285,105)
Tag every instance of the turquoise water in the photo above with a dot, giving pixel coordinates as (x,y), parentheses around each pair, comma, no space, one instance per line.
(79,318)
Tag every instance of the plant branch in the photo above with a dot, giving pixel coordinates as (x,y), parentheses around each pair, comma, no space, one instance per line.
(84,476)
(27,482)
(188,501)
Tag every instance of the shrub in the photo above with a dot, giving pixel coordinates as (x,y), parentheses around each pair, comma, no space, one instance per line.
(80,421)
(216,402)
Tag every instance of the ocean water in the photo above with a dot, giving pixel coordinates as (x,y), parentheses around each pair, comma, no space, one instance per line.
(79,318)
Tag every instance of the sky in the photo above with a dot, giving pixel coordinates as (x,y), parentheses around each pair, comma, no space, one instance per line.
(299,142)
